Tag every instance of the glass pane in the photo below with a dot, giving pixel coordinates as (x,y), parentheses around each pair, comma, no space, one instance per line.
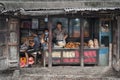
(64,22)
(43,23)
(74,29)
(2,23)
(13,52)
(86,28)
(105,41)
(13,37)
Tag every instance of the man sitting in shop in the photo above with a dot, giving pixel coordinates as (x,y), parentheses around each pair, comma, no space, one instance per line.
(24,56)
(59,34)
(36,46)
(36,39)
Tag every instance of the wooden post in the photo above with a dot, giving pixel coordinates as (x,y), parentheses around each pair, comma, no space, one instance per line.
(44,58)
(50,45)
(110,54)
(116,47)
(82,43)
(118,41)
(118,54)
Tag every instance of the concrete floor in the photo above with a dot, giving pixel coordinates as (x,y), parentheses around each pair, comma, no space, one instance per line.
(62,73)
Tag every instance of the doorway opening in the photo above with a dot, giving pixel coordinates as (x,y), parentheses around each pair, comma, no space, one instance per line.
(31,31)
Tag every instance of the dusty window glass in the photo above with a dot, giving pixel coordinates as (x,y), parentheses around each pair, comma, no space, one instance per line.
(86,28)
(13,37)
(13,51)
(74,28)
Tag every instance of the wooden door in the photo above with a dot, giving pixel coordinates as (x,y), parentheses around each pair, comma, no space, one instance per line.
(13,43)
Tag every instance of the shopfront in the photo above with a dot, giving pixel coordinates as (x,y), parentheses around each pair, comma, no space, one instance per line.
(89,41)
(92,36)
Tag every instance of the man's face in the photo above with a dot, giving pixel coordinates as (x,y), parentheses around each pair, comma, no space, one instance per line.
(59,26)
(46,31)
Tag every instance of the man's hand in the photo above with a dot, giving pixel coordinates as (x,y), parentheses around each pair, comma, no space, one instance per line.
(65,37)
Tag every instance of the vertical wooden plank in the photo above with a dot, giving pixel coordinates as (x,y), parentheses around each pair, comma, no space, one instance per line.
(111,45)
(50,45)
(44,58)
(110,54)
(82,42)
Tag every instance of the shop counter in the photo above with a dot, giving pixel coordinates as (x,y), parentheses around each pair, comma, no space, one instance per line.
(72,56)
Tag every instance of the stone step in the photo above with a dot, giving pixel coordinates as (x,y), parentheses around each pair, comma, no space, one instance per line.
(64,70)
(63,77)
(68,73)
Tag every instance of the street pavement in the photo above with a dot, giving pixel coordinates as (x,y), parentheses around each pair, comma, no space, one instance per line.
(62,73)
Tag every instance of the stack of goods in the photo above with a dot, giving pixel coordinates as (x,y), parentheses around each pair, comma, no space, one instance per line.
(23,61)
(72,45)
(93,44)
(90,44)
(23,39)
(96,43)
(31,60)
